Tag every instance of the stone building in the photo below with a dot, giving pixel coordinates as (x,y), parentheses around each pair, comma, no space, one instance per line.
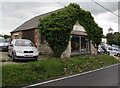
(78,44)
(110,30)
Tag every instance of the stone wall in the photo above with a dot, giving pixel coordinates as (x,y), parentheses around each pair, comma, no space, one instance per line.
(43,47)
(67,52)
(93,49)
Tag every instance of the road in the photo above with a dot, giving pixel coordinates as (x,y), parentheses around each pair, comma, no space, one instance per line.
(104,77)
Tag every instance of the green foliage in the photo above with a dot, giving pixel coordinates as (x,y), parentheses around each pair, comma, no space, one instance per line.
(1,35)
(113,38)
(5,36)
(94,32)
(32,72)
(57,27)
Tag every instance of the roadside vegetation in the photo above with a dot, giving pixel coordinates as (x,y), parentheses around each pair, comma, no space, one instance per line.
(51,68)
(5,60)
(113,38)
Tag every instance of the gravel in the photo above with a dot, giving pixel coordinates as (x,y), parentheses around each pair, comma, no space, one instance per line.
(6,60)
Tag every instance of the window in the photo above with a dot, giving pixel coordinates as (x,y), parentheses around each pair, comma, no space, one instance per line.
(23,43)
(84,44)
(75,43)
(79,43)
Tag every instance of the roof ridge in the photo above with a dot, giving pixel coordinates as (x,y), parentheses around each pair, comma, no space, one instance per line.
(26,25)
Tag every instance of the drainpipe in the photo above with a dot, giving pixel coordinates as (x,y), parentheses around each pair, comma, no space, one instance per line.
(80,43)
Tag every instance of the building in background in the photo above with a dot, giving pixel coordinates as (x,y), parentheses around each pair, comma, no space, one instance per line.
(104,40)
(110,30)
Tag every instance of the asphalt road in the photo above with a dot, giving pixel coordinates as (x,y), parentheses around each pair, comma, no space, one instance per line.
(105,77)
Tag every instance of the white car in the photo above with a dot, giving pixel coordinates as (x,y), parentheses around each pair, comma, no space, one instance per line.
(109,50)
(22,49)
(117,52)
(100,50)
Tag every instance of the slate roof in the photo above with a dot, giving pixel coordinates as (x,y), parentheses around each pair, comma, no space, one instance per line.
(32,23)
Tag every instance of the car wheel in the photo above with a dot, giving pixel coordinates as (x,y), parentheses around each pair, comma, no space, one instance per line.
(9,55)
(36,59)
(118,55)
(13,56)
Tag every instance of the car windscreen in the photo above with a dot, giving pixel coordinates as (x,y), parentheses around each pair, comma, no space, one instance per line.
(100,48)
(23,43)
(7,40)
(2,40)
(110,49)
(115,49)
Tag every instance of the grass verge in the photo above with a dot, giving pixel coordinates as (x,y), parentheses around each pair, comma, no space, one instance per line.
(31,72)
(5,60)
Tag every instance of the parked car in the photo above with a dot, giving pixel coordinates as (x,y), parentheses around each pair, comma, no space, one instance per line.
(22,49)
(100,50)
(7,40)
(109,50)
(3,44)
(117,52)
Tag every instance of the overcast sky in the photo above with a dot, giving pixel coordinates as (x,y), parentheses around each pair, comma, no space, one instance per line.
(15,13)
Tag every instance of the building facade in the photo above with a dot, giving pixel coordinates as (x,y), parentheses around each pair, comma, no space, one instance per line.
(78,44)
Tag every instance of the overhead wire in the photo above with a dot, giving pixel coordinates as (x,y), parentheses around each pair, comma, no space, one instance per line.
(97,4)
(105,8)
(60,3)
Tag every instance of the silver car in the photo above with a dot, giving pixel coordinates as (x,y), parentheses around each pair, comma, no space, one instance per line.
(3,45)
(22,49)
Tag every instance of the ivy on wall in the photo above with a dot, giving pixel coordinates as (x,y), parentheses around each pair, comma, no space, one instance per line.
(57,27)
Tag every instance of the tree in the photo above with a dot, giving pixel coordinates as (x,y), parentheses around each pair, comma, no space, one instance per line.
(57,27)
(113,38)
(1,35)
(6,36)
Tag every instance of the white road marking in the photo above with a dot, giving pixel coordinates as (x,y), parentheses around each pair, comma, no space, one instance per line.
(69,76)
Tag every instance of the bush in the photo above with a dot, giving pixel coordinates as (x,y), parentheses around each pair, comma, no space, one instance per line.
(57,27)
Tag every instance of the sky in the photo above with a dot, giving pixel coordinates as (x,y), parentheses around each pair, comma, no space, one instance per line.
(13,13)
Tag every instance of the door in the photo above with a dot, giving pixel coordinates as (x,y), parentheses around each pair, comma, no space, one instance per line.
(28,34)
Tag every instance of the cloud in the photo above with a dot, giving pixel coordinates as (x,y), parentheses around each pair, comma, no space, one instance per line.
(96,9)
(107,20)
(16,13)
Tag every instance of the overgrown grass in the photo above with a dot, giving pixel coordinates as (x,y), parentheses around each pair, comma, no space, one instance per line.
(25,74)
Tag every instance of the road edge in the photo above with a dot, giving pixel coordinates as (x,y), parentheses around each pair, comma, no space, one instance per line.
(62,78)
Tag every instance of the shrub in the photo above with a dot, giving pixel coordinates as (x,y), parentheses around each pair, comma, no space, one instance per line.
(57,27)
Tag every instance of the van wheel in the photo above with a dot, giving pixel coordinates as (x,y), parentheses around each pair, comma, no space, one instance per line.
(13,57)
